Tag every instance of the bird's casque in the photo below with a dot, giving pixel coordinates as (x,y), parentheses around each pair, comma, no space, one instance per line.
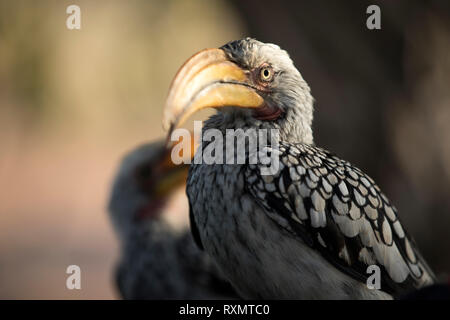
(310,230)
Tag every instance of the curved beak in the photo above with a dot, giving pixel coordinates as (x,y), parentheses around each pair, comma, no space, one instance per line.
(208,80)
(170,175)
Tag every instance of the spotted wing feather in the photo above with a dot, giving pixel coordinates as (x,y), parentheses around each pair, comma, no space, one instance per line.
(338,210)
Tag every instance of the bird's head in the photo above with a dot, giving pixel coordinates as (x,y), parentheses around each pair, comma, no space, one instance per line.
(148,188)
(252,84)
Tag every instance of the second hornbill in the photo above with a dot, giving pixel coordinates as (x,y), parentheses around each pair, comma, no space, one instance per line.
(308,231)
(149,210)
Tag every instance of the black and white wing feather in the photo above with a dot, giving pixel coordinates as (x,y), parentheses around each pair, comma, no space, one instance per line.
(339,211)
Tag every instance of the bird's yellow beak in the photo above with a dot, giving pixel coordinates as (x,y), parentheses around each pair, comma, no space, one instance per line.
(170,175)
(171,181)
(208,80)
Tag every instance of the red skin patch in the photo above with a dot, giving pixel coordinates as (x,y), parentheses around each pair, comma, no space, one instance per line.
(150,211)
(267,113)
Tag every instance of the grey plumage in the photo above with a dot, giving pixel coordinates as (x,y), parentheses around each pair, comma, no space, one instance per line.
(310,230)
(341,221)
(159,259)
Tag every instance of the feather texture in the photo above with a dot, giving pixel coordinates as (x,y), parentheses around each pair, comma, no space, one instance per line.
(330,191)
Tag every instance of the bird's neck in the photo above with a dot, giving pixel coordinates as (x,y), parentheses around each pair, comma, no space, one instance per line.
(296,127)
(291,128)
(239,140)
(151,231)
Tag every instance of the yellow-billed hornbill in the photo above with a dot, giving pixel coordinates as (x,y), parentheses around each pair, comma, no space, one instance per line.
(309,230)
(149,210)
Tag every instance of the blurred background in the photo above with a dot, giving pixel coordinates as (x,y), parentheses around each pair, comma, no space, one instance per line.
(72,102)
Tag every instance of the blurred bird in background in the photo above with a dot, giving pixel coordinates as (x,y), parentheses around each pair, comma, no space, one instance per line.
(149,210)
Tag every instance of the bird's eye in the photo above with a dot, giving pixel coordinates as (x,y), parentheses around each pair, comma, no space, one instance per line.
(266,74)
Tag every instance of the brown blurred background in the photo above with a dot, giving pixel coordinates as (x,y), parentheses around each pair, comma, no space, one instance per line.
(73,101)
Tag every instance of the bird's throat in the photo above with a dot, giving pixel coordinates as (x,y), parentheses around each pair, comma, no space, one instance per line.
(267,113)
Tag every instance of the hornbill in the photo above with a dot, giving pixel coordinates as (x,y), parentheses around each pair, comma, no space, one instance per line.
(308,230)
(149,210)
